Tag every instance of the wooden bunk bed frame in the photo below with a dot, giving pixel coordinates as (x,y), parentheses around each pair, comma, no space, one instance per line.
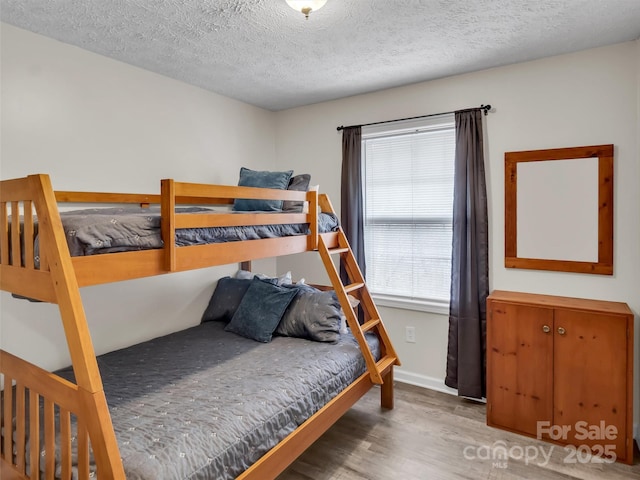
(58,281)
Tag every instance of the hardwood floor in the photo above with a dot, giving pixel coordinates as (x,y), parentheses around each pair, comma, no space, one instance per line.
(432,435)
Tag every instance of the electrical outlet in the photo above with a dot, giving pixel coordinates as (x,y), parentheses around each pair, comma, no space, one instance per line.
(410,334)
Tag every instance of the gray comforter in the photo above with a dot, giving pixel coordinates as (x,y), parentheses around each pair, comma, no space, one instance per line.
(206,404)
(107,230)
(123,229)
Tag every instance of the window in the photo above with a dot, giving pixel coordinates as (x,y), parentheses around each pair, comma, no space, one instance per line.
(408,206)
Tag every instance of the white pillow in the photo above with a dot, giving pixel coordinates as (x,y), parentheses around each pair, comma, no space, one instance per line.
(312,188)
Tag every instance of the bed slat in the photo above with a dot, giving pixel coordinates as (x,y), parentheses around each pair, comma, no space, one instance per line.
(16,254)
(28,235)
(34,434)
(49,439)
(4,234)
(314,210)
(82,440)
(7,419)
(20,427)
(44,260)
(65,442)
(168,224)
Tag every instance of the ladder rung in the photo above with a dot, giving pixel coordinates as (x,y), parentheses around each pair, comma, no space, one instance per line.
(385,363)
(376,369)
(353,286)
(370,324)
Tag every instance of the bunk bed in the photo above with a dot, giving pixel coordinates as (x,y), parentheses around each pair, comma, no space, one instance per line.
(61,424)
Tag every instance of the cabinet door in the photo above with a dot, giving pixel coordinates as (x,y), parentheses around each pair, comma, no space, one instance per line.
(590,378)
(519,366)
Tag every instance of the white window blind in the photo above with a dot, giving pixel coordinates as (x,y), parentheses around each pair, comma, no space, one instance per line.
(408,193)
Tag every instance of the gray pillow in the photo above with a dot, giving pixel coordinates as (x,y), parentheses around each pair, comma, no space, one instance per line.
(298,183)
(254,178)
(313,314)
(284,279)
(260,310)
(225,299)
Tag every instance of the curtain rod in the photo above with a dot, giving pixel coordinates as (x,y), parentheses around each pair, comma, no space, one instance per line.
(486,109)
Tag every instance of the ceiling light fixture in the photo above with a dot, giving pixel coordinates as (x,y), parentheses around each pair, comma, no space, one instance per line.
(306,6)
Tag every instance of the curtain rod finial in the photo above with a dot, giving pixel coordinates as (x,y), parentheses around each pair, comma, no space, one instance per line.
(486,109)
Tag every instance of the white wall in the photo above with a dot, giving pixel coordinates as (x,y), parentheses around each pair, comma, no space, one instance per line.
(96,124)
(586,98)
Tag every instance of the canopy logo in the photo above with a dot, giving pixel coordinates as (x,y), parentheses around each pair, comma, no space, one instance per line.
(599,446)
(499,454)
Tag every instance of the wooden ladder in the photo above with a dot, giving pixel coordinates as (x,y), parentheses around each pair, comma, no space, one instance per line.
(372,321)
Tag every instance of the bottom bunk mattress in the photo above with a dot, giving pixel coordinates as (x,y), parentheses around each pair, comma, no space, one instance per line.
(203,403)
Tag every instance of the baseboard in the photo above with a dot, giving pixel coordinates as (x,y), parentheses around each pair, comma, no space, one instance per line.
(422,381)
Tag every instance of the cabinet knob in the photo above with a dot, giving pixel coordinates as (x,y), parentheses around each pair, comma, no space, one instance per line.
(546,328)
(561,331)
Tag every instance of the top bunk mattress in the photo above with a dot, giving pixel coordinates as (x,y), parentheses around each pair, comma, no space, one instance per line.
(204,403)
(122,229)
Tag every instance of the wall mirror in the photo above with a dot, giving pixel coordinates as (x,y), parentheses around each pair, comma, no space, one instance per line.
(559,209)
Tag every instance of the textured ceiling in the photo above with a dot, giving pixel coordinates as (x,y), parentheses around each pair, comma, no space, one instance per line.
(264,53)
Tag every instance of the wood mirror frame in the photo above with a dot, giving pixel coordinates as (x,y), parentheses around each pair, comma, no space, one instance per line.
(604,154)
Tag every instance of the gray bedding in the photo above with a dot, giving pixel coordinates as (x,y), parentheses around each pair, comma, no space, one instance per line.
(95,231)
(206,404)
(108,230)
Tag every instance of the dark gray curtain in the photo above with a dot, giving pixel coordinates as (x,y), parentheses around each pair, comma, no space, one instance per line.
(466,356)
(351,197)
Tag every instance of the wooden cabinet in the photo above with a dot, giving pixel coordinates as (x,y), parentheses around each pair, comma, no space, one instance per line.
(561,369)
